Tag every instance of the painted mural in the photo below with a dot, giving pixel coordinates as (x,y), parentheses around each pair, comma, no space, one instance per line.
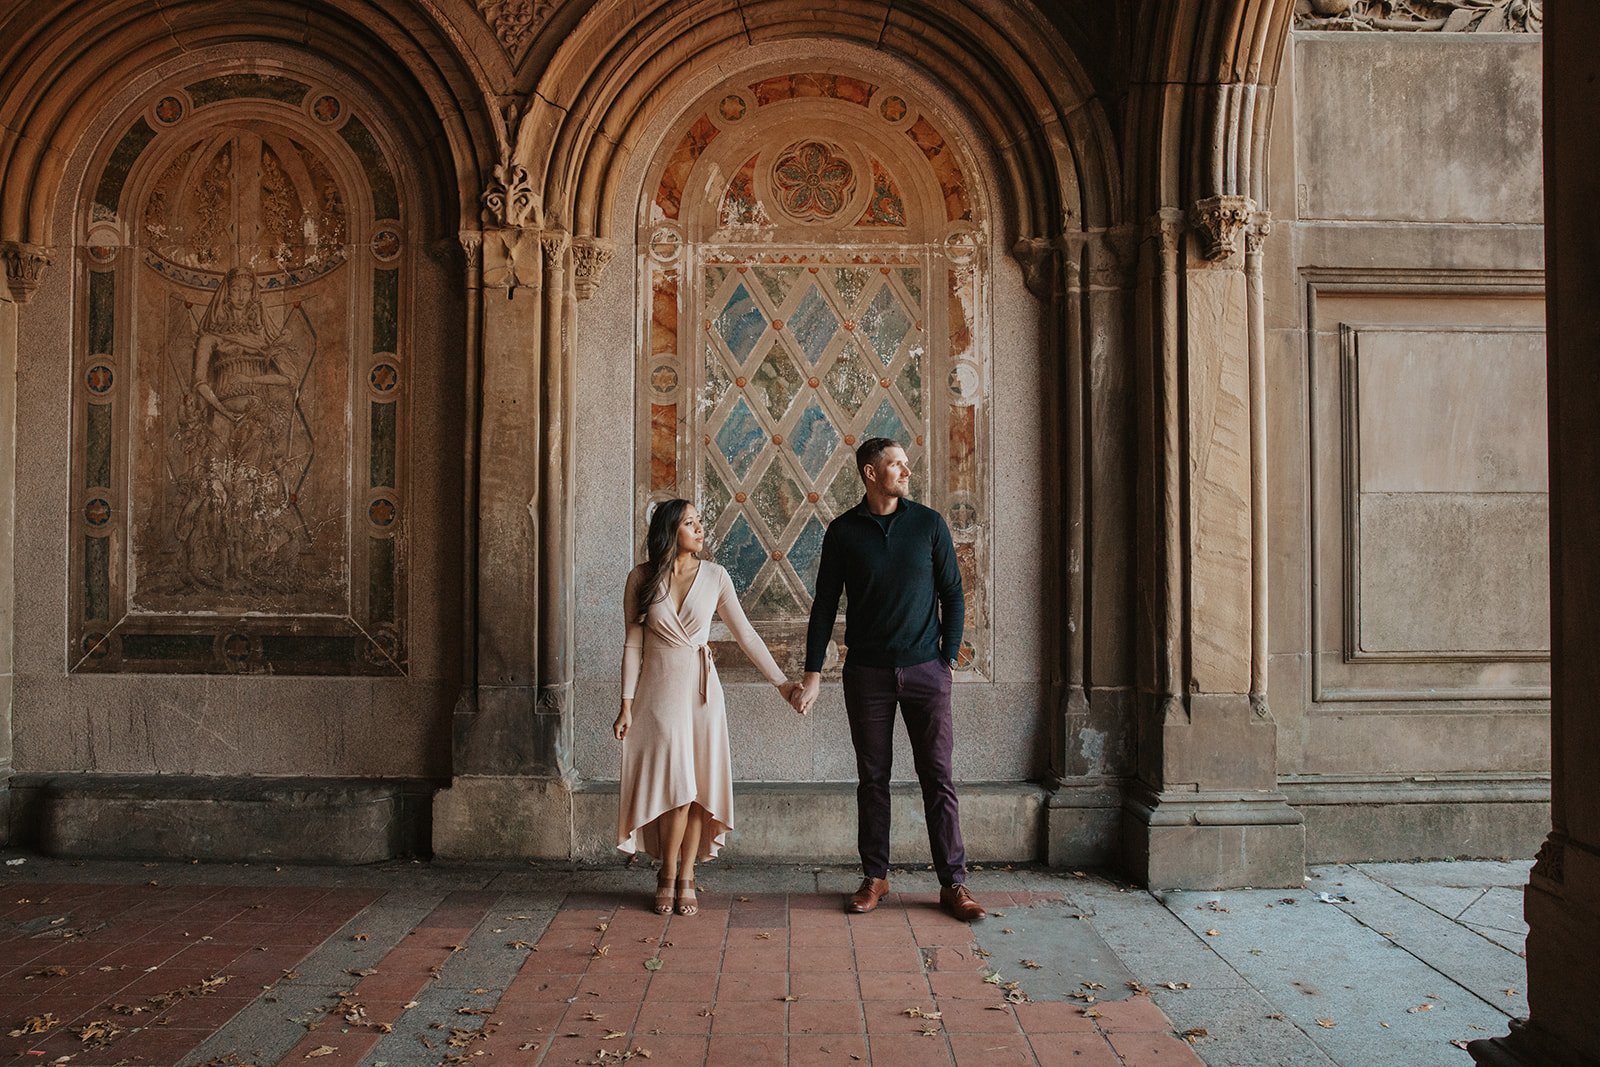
(240,421)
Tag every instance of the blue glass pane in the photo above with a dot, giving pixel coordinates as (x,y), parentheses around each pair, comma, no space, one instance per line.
(886,423)
(813,325)
(741,323)
(742,554)
(807,553)
(815,440)
(741,438)
(885,324)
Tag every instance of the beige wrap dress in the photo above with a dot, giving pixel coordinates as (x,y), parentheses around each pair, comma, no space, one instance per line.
(676,750)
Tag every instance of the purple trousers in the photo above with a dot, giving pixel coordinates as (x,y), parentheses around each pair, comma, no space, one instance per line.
(923,695)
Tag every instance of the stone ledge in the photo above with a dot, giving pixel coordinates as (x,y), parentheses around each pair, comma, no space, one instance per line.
(515,818)
(1352,818)
(225,819)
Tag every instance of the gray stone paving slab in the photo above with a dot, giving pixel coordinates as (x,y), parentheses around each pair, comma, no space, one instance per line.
(1498,909)
(1068,951)
(1467,873)
(1314,962)
(1517,943)
(486,957)
(1150,941)
(1449,901)
(1240,1030)
(1485,968)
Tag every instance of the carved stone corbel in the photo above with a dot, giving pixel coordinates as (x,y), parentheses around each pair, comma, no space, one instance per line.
(1550,863)
(589,258)
(509,199)
(1036,254)
(25,264)
(1220,220)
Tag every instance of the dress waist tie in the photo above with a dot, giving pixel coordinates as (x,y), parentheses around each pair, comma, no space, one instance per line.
(707,666)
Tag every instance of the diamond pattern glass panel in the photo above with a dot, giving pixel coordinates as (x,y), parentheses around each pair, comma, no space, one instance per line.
(717,382)
(910,385)
(715,498)
(814,440)
(777,497)
(741,323)
(912,277)
(741,553)
(850,381)
(813,325)
(776,601)
(776,382)
(885,324)
(850,281)
(806,553)
(886,422)
(741,438)
(779,282)
(845,492)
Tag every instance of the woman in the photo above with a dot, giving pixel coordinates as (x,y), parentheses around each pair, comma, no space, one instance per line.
(677,783)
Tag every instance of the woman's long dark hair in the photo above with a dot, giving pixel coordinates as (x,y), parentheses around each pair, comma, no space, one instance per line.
(661,548)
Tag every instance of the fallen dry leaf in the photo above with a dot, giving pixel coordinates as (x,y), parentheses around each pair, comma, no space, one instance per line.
(1213,933)
(599,952)
(36,1024)
(49,972)
(1194,1033)
(918,1013)
(1419,1008)
(1090,1013)
(1459,1043)
(1175,985)
(612,1035)
(321,1050)
(99,1033)
(1032,965)
(592,1016)
(1138,988)
(358,937)
(653,963)
(1326,1024)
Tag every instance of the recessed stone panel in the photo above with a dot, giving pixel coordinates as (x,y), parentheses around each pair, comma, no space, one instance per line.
(1454,572)
(1451,409)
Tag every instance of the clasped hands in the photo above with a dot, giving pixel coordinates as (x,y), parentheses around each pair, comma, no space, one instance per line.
(802,694)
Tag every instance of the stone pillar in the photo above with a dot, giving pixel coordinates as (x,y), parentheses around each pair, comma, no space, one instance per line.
(511,794)
(1562,900)
(8,487)
(1205,811)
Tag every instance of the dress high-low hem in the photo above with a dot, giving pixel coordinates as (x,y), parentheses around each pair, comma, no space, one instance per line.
(676,751)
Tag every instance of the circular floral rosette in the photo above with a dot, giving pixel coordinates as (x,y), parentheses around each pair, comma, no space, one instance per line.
(813,181)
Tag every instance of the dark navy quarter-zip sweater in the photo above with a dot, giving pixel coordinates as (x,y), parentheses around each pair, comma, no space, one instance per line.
(899,571)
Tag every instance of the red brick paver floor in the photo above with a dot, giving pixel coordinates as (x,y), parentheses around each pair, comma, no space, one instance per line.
(770,979)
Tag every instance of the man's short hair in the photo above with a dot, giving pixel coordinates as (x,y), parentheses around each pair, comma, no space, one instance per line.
(870,451)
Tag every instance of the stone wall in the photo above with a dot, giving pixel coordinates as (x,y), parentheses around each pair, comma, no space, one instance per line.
(1410,597)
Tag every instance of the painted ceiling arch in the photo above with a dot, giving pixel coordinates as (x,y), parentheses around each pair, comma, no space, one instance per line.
(598,102)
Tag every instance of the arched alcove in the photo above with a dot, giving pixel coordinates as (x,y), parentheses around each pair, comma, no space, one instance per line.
(815,273)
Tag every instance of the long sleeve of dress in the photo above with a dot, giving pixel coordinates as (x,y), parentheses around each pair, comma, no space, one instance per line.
(755,648)
(633,639)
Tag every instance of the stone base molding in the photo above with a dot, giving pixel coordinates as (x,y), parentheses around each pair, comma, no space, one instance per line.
(1212,840)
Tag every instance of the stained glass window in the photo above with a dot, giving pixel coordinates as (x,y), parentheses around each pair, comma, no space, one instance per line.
(820,291)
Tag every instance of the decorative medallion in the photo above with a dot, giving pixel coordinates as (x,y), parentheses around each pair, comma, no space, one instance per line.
(236,649)
(169,110)
(664,379)
(963,383)
(99,379)
(384,378)
(665,244)
(326,109)
(95,645)
(813,180)
(963,516)
(97,512)
(732,107)
(101,251)
(894,109)
(386,244)
(382,512)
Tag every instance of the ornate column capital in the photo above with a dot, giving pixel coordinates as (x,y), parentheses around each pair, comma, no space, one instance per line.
(25,264)
(1256,232)
(589,258)
(1220,220)
(1037,255)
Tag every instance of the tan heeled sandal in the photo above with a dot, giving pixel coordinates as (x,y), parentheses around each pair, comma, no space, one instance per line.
(665,896)
(688,903)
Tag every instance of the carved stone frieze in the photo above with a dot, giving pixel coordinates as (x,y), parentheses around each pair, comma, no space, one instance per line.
(515,22)
(1220,220)
(589,258)
(25,264)
(1449,16)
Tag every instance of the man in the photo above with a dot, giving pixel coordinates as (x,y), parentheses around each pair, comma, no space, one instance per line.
(896,561)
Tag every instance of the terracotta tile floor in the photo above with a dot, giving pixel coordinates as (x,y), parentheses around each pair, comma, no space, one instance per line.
(151,974)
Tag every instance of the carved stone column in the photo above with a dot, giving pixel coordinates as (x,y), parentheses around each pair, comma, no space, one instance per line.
(8,497)
(1205,812)
(1562,901)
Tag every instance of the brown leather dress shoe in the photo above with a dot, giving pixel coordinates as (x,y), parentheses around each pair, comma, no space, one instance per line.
(866,898)
(958,902)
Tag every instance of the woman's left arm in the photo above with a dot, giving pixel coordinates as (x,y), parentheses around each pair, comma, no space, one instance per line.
(749,641)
